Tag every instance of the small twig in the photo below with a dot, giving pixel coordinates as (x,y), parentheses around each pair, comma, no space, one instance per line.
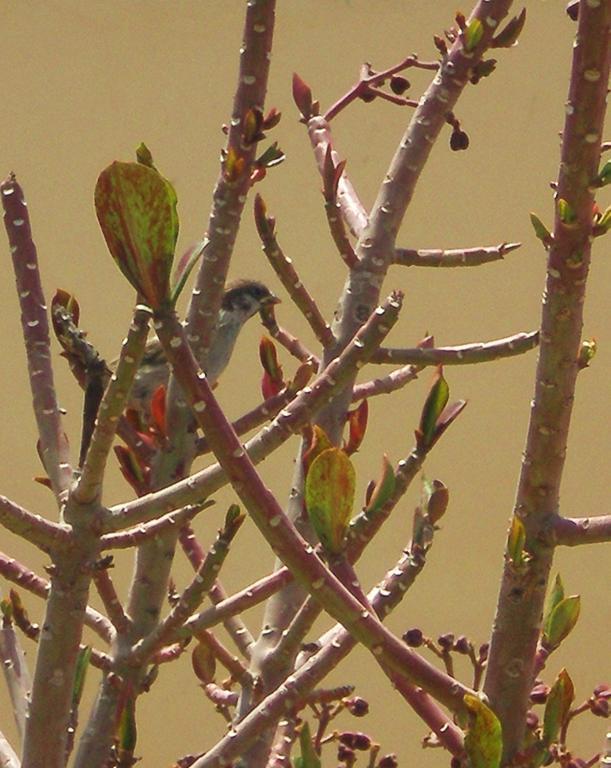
(352,209)
(53,442)
(572,531)
(192,595)
(453,257)
(110,598)
(385,385)
(16,674)
(14,571)
(371,80)
(331,178)
(134,537)
(283,267)
(261,413)
(8,757)
(234,624)
(465,354)
(291,343)
(231,663)
(44,534)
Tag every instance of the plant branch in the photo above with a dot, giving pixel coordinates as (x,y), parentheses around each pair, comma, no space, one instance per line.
(134,537)
(16,674)
(287,273)
(53,442)
(44,534)
(89,486)
(516,630)
(464,354)
(452,257)
(573,531)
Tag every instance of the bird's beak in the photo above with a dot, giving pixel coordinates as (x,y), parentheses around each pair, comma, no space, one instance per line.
(270,300)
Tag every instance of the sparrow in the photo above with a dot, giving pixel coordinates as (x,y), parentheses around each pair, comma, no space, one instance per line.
(242,300)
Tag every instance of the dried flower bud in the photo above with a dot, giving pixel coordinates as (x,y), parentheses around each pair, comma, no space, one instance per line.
(462,645)
(413,637)
(355,740)
(539,693)
(446,641)
(572,9)
(599,707)
(483,651)
(388,761)
(357,706)
(602,690)
(367,96)
(345,754)
(532,720)
(399,84)
(458,141)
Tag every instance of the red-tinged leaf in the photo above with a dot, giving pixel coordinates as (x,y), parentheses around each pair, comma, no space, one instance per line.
(303,374)
(434,404)
(329,497)
(271,157)
(328,174)
(251,126)
(43,481)
(302,96)
(233,165)
(435,501)
(483,741)
(357,425)
(447,416)
(560,621)
(269,386)
(317,442)
(272,118)
(185,266)
(509,35)
(203,662)
(158,409)
(268,355)
(557,706)
(383,488)
(68,301)
(136,209)
(265,224)
(130,468)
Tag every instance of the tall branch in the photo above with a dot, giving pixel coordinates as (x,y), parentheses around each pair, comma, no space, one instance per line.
(518,615)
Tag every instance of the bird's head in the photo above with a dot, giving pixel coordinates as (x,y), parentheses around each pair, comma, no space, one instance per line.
(243,299)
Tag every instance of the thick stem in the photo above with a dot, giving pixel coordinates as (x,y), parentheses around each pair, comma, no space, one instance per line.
(518,616)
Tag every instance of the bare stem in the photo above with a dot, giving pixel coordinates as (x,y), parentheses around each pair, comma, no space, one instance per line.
(518,616)
(452,257)
(35,324)
(573,531)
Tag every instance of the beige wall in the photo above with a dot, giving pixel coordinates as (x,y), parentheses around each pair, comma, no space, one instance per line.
(84,82)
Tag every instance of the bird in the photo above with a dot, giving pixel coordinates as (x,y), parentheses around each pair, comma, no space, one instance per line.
(241,300)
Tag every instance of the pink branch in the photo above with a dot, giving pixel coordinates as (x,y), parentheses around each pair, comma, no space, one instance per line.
(53,441)
(572,531)
(453,257)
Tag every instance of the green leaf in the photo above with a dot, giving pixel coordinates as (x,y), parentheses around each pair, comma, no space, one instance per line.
(383,489)
(127,731)
(329,497)
(561,620)
(516,541)
(557,706)
(435,403)
(604,222)
(565,211)
(308,757)
(136,208)
(144,155)
(483,741)
(604,176)
(555,595)
(82,665)
(473,34)
(541,231)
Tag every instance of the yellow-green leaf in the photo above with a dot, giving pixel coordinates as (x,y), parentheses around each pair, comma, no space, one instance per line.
(473,34)
(508,36)
(541,231)
(557,706)
(561,620)
(483,741)
(329,497)
(136,208)
(434,404)
(516,541)
(308,757)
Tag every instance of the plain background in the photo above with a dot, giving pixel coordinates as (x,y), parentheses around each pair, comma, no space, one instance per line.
(84,82)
